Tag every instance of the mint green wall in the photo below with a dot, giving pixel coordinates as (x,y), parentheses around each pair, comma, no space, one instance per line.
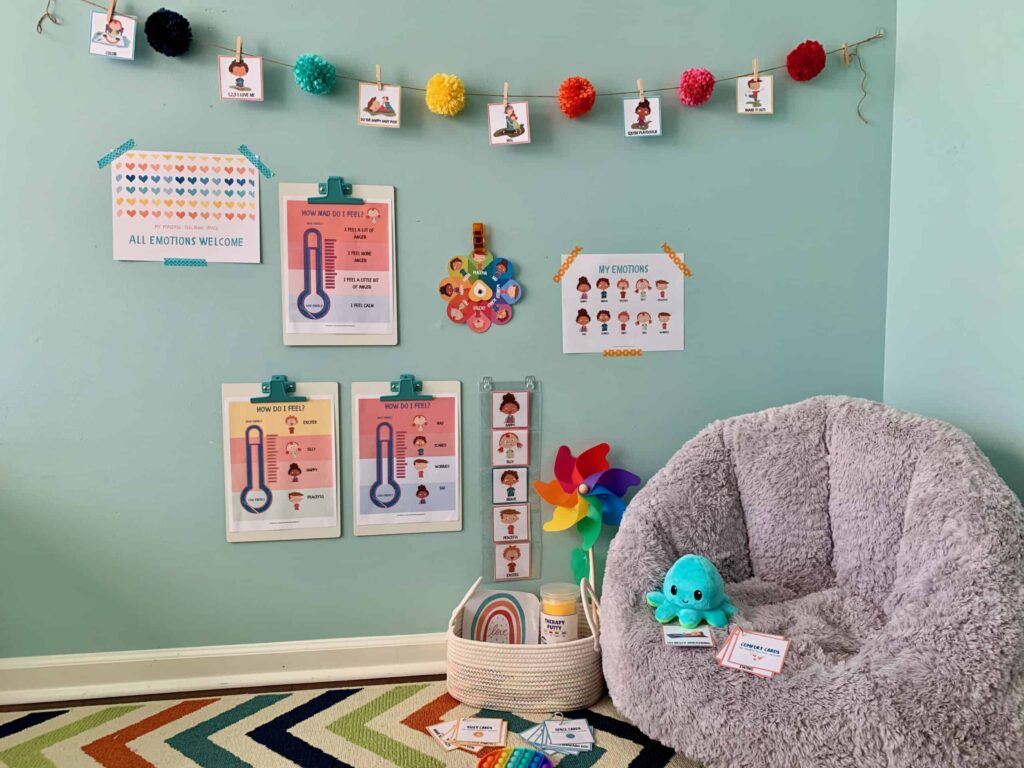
(955,308)
(111,506)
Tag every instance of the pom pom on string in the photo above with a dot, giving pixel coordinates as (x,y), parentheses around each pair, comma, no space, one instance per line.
(314,74)
(696,87)
(446,95)
(168,32)
(806,61)
(576,96)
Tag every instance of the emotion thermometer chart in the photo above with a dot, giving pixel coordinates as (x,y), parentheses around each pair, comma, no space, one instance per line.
(280,467)
(405,461)
(338,268)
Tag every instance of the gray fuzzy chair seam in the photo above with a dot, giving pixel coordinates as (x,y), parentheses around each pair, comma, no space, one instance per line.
(882,543)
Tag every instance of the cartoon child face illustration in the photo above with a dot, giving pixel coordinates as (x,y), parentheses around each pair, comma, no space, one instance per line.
(291,421)
(295,497)
(623,317)
(420,465)
(447,290)
(511,554)
(238,69)
(582,319)
(622,284)
(604,316)
(663,318)
(643,108)
(602,283)
(501,266)
(373,214)
(509,516)
(509,478)
(479,322)
(509,405)
(113,32)
(643,318)
(661,285)
(478,260)
(292,449)
(422,493)
(456,264)
(419,441)
(294,471)
(501,314)
(419,421)
(643,284)
(583,285)
(508,442)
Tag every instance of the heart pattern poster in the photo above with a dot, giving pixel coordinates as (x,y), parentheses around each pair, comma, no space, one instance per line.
(174,205)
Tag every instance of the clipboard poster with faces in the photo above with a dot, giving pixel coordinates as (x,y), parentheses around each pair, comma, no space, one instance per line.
(510,448)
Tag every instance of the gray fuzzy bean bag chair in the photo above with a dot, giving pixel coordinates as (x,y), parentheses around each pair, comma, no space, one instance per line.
(881,543)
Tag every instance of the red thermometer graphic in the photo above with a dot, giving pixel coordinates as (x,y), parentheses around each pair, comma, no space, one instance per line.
(313,302)
(256,499)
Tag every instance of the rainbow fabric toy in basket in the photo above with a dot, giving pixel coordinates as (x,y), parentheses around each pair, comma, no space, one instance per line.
(528,678)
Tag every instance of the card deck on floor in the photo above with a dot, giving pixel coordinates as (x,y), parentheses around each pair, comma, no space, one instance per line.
(561,737)
(483,731)
(442,733)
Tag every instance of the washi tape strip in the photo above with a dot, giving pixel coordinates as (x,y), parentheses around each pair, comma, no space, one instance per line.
(568,263)
(622,353)
(184,262)
(676,260)
(115,153)
(252,158)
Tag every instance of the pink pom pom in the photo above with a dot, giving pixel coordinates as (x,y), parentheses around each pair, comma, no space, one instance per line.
(696,87)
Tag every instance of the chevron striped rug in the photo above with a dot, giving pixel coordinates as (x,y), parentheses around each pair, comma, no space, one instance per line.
(373,727)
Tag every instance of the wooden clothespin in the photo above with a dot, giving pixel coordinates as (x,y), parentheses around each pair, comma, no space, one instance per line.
(110,10)
(504,95)
(755,66)
(846,54)
(640,88)
(378,77)
(238,48)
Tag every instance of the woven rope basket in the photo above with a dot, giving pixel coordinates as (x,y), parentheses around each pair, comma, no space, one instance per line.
(528,678)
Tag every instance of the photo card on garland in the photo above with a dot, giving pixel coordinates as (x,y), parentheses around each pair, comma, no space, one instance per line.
(380,107)
(114,39)
(755,95)
(240,79)
(642,116)
(509,123)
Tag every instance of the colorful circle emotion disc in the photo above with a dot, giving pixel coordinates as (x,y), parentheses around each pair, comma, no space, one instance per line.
(458,309)
(501,313)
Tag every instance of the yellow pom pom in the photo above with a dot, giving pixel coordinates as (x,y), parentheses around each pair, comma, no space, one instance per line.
(446,95)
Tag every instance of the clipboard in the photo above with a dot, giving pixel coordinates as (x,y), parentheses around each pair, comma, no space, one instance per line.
(395,453)
(283,460)
(320,293)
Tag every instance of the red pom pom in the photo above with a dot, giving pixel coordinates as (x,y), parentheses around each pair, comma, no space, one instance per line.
(576,97)
(696,87)
(806,61)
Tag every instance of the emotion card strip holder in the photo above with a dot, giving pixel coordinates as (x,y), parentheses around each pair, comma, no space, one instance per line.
(510,419)
(406,438)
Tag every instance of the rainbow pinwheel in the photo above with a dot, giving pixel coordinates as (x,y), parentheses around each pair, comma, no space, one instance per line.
(587,492)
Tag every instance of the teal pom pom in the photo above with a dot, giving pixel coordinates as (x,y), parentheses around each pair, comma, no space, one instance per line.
(314,74)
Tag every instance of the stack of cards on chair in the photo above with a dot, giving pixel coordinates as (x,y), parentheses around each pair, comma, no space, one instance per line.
(561,737)
(754,652)
(700,637)
(470,734)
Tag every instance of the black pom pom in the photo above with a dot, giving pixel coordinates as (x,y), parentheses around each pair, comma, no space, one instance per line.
(168,32)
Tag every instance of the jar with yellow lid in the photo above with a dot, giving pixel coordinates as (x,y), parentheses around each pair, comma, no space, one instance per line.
(558,622)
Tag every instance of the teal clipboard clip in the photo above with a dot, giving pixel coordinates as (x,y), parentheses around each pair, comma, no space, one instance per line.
(407,387)
(278,390)
(172,262)
(335,191)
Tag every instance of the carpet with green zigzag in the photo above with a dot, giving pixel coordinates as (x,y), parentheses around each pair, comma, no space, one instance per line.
(377,726)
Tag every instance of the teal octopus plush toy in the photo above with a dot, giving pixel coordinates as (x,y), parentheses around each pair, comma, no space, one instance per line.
(693,592)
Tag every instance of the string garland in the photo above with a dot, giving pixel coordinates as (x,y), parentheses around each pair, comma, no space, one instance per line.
(854,53)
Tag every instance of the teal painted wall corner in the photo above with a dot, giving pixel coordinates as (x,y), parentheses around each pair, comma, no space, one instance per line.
(111,497)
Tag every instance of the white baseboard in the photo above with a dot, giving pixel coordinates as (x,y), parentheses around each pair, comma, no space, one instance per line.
(35,679)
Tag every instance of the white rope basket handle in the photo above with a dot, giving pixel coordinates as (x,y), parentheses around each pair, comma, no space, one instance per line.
(462,603)
(592,610)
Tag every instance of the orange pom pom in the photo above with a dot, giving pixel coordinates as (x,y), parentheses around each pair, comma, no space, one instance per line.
(576,97)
